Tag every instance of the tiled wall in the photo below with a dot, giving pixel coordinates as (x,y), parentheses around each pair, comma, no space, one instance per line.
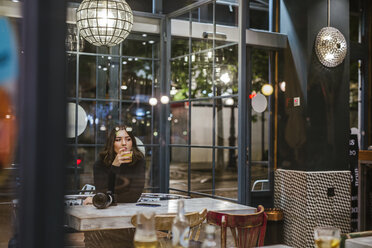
(310,199)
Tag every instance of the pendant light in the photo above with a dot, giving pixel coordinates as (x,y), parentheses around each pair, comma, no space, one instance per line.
(330,44)
(104,22)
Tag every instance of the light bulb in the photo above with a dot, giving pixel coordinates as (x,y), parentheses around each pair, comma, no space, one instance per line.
(153,101)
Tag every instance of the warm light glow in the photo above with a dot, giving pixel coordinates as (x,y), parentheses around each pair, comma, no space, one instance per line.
(225,78)
(173,91)
(267,89)
(153,101)
(282,86)
(229,101)
(164,99)
(330,46)
(8,116)
(104,22)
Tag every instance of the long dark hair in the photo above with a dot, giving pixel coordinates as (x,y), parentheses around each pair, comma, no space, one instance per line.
(108,154)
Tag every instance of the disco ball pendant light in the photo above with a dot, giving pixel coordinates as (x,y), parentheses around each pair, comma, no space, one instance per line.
(330,44)
(104,22)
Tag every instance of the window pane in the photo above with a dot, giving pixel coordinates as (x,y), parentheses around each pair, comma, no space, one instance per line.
(85,158)
(179,123)
(201,170)
(202,123)
(226,173)
(178,167)
(354,27)
(87,76)
(354,92)
(202,72)
(226,121)
(180,46)
(179,79)
(152,169)
(137,79)
(259,19)
(101,118)
(108,69)
(139,116)
(141,45)
(226,79)
(71,75)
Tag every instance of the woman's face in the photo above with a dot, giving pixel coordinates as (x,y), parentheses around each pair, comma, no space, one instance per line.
(122,141)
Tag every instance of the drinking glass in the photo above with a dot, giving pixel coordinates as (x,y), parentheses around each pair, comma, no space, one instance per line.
(327,237)
(145,235)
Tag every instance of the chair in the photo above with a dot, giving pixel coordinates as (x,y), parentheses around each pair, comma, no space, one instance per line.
(164,223)
(248,230)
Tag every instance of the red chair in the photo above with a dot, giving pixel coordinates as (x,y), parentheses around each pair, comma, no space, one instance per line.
(248,230)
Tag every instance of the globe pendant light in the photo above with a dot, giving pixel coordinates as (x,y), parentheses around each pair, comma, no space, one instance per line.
(104,22)
(330,44)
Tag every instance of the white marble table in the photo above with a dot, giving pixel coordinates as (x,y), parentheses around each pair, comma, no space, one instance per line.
(89,218)
(362,242)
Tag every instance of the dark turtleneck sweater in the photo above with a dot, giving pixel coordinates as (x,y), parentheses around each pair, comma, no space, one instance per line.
(129,179)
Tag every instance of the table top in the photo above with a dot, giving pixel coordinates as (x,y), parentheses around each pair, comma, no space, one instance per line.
(89,218)
(362,242)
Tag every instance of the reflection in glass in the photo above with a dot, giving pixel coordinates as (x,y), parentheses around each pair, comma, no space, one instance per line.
(202,123)
(138,77)
(226,121)
(179,118)
(201,170)
(178,173)
(140,116)
(226,173)
(139,45)
(71,75)
(87,76)
(179,79)
(101,117)
(108,69)
(82,160)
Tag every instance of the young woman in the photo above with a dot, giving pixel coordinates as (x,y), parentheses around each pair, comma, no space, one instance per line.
(121,170)
(120,167)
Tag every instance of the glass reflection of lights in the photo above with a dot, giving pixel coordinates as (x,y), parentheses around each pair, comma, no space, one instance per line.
(155,133)
(225,78)
(134,120)
(184,133)
(173,91)
(144,35)
(164,99)
(151,42)
(176,121)
(267,89)
(102,128)
(140,112)
(130,59)
(124,87)
(282,86)
(153,101)
(229,101)
(125,62)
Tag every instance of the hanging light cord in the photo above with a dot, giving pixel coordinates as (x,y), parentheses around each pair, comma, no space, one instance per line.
(329,13)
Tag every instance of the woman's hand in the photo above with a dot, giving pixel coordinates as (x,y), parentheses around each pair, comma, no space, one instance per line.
(123,157)
(88,201)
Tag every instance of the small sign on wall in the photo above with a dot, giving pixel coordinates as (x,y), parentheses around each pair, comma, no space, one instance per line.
(296,101)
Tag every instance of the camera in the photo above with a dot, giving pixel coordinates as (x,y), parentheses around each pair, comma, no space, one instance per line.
(104,200)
